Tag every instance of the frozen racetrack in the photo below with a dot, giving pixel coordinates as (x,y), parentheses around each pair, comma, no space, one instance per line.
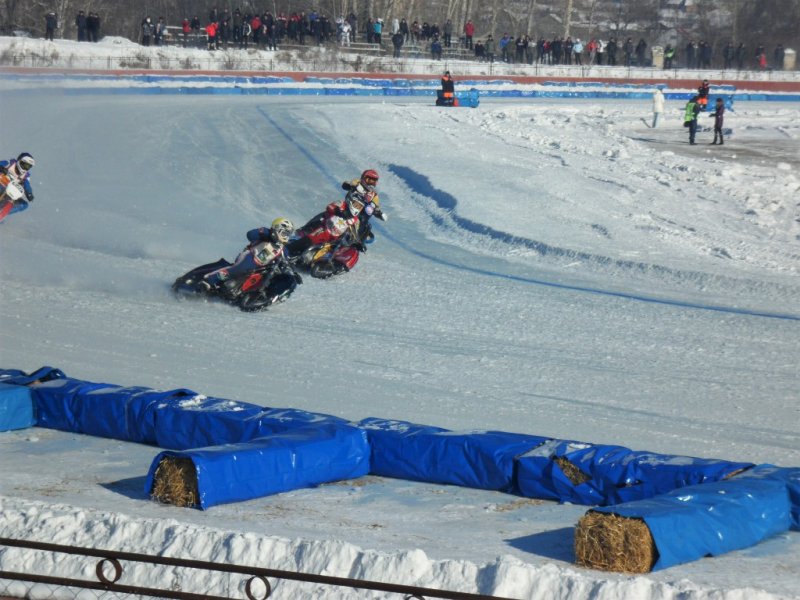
(548,268)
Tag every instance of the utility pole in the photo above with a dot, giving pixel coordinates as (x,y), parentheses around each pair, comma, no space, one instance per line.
(567,19)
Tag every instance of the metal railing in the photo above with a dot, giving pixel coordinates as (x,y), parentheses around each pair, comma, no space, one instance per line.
(110,571)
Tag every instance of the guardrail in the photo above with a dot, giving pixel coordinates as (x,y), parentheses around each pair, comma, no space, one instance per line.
(110,570)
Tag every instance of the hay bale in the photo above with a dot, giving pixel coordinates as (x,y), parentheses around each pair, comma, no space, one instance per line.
(573,473)
(175,482)
(609,542)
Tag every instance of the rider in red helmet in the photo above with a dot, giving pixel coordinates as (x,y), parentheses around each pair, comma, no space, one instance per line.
(363,188)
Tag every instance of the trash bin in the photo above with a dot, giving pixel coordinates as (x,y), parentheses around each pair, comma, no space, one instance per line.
(789,59)
(658,57)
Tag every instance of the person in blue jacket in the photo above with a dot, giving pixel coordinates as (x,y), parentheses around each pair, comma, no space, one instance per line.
(17,169)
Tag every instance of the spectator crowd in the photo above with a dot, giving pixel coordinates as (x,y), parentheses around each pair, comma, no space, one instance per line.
(243,28)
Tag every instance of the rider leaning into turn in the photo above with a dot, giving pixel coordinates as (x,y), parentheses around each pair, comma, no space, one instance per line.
(266,245)
(18,169)
(364,189)
(358,205)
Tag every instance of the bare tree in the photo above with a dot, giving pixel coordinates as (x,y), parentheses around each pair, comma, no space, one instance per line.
(531,13)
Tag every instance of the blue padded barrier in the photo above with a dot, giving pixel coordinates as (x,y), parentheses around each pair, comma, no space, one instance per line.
(17,377)
(789,476)
(200,422)
(367,91)
(250,91)
(712,518)
(124,413)
(612,474)
(269,80)
(478,459)
(58,403)
(16,407)
(295,459)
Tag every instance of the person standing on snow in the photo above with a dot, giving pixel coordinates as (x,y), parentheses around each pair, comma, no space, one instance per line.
(50,25)
(658,106)
(718,114)
(17,170)
(690,118)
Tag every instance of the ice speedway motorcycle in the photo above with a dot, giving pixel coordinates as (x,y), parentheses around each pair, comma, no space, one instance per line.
(328,257)
(257,290)
(12,196)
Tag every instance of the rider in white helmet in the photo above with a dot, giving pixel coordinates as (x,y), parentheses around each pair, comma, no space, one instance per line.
(266,245)
(17,170)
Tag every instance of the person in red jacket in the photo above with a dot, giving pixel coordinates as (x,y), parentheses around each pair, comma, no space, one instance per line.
(211,32)
(469,31)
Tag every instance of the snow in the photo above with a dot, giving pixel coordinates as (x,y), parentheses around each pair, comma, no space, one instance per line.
(549,267)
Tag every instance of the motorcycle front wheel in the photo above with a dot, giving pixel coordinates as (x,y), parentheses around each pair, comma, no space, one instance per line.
(278,290)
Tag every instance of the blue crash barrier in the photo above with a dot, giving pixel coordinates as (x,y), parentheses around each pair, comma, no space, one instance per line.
(478,459)
(16,407)
(712,518)
(242,451)
(291,460)
(277,86)
(125,413)
(201,422)
(612,474)
(17,377)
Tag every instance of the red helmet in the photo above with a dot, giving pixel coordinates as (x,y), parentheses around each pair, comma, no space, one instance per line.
(369,179)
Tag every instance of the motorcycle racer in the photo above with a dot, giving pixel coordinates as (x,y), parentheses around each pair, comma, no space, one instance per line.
(17,171)
(266,244)
(364,186)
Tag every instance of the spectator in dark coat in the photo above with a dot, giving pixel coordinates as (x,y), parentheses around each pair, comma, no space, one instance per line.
(148,29)
(778,55)
(740,56)
(611,51)
(641,47)
(93,27)
(436,49)
(397,42)
(80,23)
(718,114)
(50,25)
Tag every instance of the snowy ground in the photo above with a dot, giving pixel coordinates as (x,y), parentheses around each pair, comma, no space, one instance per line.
(552,268)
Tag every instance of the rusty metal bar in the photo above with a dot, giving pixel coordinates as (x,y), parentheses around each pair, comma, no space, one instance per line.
(113,557)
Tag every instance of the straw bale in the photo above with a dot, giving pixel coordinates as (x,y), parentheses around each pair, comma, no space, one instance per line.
(609,542)
(175,482)
(573,473)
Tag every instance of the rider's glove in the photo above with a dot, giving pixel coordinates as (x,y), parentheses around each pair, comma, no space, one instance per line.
(360,247)
(29,196)
(381,215)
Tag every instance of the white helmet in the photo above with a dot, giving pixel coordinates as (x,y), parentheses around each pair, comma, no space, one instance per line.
(282,230)
(24,163)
